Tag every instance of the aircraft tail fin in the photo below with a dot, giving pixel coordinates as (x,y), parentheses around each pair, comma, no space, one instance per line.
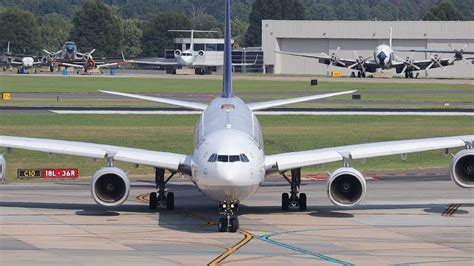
(227,90)
(390,40)
(8,48)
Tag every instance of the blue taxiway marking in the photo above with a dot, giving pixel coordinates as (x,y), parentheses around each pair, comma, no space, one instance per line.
(266,238)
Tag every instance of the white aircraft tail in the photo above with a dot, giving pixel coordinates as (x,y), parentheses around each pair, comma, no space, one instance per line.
(390,38)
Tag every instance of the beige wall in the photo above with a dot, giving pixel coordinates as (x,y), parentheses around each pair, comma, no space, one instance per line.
(362,36)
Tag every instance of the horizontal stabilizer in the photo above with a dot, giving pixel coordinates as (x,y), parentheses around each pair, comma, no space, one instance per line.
(275,103)
(185,104)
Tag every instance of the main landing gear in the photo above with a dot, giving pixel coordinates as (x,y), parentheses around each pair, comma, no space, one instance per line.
(161,197)
(228,223)
(294,199)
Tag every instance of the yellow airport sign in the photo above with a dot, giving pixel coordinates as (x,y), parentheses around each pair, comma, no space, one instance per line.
(6,96)
(336,74)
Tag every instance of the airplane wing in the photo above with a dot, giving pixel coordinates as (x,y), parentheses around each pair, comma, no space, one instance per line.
(286,161)
(170,161)
(106,65)
(268,104)
(433,51)
(185,104)
(323,59)
(69,64)
(154,63)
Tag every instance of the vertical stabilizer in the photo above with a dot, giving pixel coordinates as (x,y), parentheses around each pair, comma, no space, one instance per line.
(192,41)
(227,90)
(8,48)
(390,40)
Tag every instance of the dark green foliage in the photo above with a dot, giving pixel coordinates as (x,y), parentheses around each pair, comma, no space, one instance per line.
(54,30)
(97,27)
(155,32)
(132,35)
(21,30)
(271,9)
(444,11)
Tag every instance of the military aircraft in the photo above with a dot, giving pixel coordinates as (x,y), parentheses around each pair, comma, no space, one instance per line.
(383,58)
(68,56)
(229,163)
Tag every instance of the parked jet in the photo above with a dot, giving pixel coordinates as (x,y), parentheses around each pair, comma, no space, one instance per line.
(23,63)
(229,163)
(68,56)
(188,58)
(383,58)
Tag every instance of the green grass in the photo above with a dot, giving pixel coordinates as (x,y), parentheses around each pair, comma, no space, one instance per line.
(175,134)
(249,90)
(168,85)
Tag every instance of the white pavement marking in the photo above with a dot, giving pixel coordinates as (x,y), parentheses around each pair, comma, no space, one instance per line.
(322,113)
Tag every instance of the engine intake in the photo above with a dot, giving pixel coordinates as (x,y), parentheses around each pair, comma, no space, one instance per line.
(201,53)
(3,168)
(177,52)
(110,186)
(346,187)
(462,168)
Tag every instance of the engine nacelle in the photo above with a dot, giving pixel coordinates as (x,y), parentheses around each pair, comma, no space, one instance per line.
(462,168)
(177,52)
(346,187)
(3,168)
(110,186)
(201,53)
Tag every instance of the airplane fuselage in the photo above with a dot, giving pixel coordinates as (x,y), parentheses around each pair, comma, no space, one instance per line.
(27,62)
(187,58)
(383,55)
(228,160)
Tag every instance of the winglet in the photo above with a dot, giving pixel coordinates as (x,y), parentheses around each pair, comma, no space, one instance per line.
(227,90)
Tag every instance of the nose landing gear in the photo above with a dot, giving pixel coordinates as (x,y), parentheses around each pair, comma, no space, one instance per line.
(294,199)
(161,197)
(228,223)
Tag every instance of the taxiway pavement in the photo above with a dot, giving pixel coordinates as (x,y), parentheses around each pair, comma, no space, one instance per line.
(405,219)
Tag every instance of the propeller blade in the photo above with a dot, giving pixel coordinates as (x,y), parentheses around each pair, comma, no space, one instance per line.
(415,66)
(404,68)
(91,52)
(430,65)
(353,65)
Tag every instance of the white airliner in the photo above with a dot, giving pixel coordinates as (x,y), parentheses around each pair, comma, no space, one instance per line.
(385,58)
(229,163)
(188,58)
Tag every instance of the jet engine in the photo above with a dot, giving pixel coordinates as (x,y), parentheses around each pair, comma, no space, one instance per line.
(201,53)
(110,186)
(462,168)
(3,168)
(177,52)
(346,187)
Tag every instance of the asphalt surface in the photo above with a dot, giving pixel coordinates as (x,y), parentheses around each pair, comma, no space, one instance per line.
(410,218)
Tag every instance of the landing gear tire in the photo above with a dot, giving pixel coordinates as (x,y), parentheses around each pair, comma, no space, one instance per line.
(161,197)
(302,201)
(222,225)
(153,204)
(285,201)
(170,201)
(363,74)
(359,75)
(233,225)
(295,198)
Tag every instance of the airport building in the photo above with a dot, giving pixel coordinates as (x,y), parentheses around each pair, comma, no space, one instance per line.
(214,54)
(314,37)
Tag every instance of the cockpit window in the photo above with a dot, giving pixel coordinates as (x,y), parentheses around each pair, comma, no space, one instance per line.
(244,158)
(213,158)
(223,158)
(228,158)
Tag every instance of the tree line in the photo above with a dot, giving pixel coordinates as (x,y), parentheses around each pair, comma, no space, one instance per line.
(140,28)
